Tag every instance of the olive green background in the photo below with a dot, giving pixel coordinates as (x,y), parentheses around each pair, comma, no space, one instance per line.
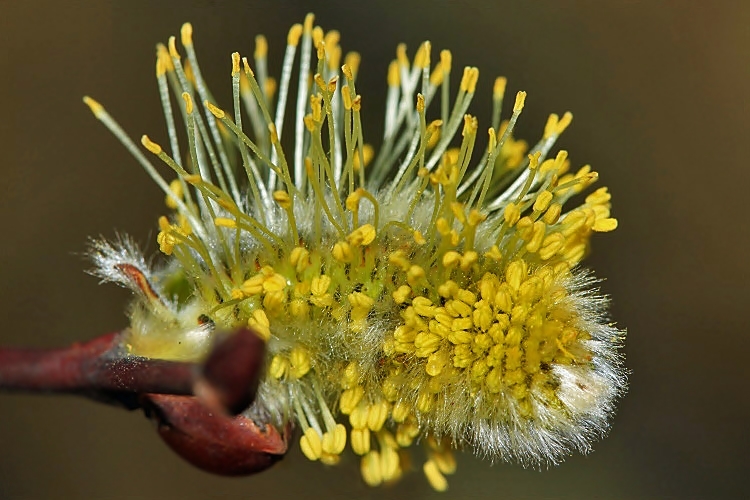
(660,96)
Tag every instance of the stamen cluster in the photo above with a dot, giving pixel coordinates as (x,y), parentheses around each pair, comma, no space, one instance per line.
(405,295)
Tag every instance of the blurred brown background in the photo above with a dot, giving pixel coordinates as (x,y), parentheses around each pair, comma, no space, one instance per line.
(660,95)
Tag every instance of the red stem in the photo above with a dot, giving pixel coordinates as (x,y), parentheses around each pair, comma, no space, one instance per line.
(101,369)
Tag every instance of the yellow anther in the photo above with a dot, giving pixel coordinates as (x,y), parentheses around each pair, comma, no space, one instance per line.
(246,67)
(424,402)
(605,225)
(420,103)
(599,197)
(172,44)
(342,252)
(399,259)
(188,103)
(160,67)
(516,273)
(520,100)
(376,415)
(466,297)
(295,32)
(360,441)
(537,236)
(428,342)
(470,126)
(309,122)
(465,79)
(451,259)
(401,294)
(436,362)
(318,79)
(162,54)
(469,79)
(492,139)
(359,299)
(423,306)
(400,412)
(362,236)
(299,362)
(468,260)
(150,145)
(446,60)
(316,105)
(358,416)
(458,211)
(367,154)
(437,75)
(564,122)
(261,47)
(317,36)
(443,226)
(414,274)
(278,367)
(422,57)
(350,398)
(347,97)
(552,214)
(405,434)
(403,61)
(334,441)
(357,103)
(552,244)
(394,77)
(433,131)
(352,60)
(217,112)
(319,285)
(176,189)
(448,289)
(274,283)
(311,444)
(225,222)
(253,286)
(418,238)
(299,308)
(259,323)
(186,34)
(445,460)
(550,128)
(498,90)
(193,179)
(389,463)
(308,25)
(235,63)
(475,217)
(299,258)
(542,201)
(350,376)
(370,469)
(283,199)
(94,106)
(458,308)
(237,294)
(512,214)
(166,242)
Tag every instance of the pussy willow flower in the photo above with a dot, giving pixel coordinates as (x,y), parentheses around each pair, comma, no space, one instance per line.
(413,294)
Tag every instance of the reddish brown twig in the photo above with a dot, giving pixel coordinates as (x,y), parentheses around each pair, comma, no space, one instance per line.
(215,443)
(101,369)
(199,428)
